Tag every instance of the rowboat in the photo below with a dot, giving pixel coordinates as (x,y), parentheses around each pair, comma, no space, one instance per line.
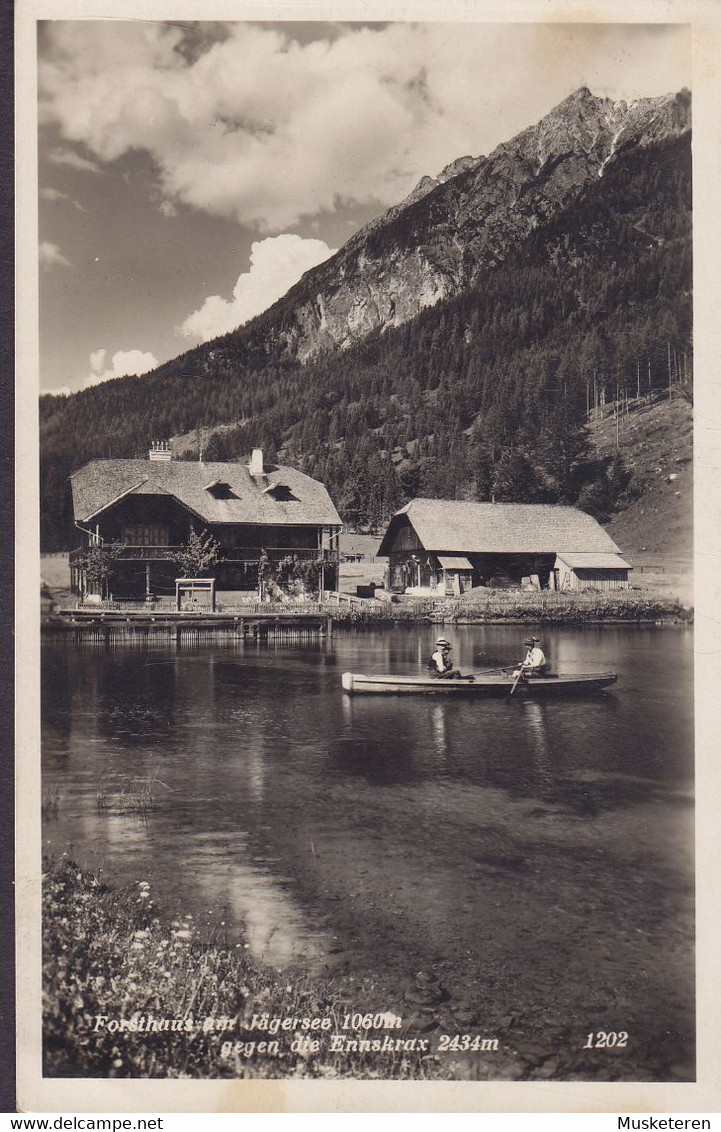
(498,683)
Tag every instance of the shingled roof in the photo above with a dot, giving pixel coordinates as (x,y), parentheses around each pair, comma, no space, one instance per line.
(577,560)
(304,502)
(499,528)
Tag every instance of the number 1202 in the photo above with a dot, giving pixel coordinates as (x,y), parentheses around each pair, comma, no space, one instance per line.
(606,1040)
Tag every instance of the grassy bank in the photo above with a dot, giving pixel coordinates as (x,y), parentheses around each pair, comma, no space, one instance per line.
(512,606)
(586,607)
(116,971)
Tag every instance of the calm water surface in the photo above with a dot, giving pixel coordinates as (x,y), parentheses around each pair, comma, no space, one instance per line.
(518,842)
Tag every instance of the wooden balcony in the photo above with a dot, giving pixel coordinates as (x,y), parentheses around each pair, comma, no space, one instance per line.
(236,554)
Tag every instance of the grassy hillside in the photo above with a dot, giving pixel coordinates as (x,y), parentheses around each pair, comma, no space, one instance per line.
(655,526)
(653,522)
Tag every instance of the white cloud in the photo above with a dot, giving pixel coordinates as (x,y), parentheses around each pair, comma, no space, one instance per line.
(55,196)
(50,256)
(275,265)
(125,363)
(265,129)
(73,160)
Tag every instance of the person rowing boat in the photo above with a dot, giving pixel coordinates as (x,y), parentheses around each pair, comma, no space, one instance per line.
(534,663)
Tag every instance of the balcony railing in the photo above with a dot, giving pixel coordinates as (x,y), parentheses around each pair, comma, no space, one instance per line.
(234,554)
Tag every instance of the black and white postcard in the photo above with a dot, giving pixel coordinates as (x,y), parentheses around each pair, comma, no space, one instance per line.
(366,734)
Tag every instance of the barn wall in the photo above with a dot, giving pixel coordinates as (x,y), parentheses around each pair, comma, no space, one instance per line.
(405,539)
(581,579)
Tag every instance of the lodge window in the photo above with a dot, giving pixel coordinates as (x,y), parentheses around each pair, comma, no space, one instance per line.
(146,534)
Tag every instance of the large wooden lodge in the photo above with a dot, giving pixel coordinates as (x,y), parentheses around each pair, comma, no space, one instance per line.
(447,546)
(146,509)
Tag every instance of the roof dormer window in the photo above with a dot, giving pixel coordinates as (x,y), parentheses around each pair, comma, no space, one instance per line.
(280,492)
(219,489)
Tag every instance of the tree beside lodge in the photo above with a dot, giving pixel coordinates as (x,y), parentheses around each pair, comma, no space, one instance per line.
(447,546)
(141,519)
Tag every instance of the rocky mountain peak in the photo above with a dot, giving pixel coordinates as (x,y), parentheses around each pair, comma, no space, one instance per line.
(427,184)
(460,224)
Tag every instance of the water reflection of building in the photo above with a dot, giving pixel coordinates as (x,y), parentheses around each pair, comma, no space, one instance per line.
(189,718)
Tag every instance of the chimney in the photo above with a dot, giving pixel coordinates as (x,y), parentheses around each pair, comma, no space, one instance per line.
(160,450)
(255,467)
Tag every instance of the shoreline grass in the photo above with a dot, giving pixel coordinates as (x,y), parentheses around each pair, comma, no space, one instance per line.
(585,607)
(512,607)
(115,971)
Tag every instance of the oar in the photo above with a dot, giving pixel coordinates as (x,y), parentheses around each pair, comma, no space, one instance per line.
(515,682)
(485,672)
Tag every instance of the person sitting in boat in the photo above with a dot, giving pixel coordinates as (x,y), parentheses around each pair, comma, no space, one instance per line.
(440,664)
(534,663)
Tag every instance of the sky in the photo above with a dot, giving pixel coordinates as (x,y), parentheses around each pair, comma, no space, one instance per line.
(189,174)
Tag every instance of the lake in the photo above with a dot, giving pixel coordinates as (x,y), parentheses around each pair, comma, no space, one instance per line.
(535,856)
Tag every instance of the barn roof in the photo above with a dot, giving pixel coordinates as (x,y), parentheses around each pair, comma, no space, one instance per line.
(578,561)
(499,528)
(454,562)
(247,499)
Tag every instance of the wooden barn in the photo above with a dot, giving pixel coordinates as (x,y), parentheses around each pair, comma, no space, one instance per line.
(147,510)
(447,546)
(583,571)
